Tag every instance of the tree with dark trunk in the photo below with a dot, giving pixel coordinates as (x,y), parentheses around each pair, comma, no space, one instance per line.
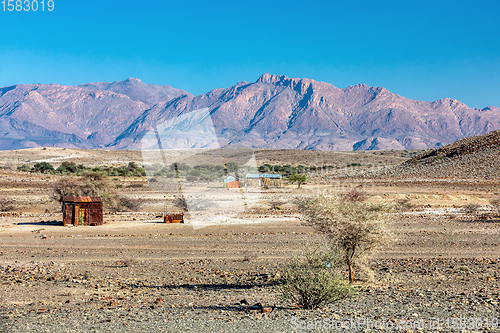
(357,228)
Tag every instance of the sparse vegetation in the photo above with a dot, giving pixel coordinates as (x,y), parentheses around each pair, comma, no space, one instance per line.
(180,203)
(130,204)
(276,204)
(357,228)
(314,278)
(471,208)
(496,204)
(7,205)
(354,195)
(93,184)
(24,168)
(404,204)
(70,168)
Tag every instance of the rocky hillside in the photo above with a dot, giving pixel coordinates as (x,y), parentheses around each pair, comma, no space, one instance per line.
(477,157)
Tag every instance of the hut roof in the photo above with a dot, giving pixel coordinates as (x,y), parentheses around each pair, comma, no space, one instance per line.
(263,175)
(229,179)
(81,199)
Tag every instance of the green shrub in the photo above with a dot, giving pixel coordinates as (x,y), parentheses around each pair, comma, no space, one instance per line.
(24,168)
(43,167)
(314,278)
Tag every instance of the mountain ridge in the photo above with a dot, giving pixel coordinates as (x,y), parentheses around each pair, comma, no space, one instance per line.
(275,111)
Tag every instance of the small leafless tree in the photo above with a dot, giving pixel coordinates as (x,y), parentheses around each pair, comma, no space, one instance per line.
(357,228)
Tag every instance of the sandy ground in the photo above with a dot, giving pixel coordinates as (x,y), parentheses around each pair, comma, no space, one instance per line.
(135,273)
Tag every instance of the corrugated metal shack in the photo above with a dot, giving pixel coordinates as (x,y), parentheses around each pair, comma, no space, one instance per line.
(82,210)
(263,179)
(231,182)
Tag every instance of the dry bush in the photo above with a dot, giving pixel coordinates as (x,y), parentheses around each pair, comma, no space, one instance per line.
(181,203)
(249,256)
(496,204)
(276,204)
(135,185)
(126,262)
(357,228)
(354,195)
(93,184)
(404,205)
(304,203)
(7,205)
(471,208)
(314,278)
(90,185)
(131,204)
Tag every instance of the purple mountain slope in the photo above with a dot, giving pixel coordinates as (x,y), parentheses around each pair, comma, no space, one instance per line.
(281,112)
(89,116)
(273,112)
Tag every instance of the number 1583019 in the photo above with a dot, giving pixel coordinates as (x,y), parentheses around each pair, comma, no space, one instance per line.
(27,5)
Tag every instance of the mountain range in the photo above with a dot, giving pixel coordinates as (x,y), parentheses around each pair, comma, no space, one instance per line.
(273,112)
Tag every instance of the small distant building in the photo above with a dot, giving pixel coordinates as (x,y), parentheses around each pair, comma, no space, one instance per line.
(82,210)
(231,182)
(263,179)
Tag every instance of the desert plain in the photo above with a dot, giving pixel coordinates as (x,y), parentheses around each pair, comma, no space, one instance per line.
(138,274)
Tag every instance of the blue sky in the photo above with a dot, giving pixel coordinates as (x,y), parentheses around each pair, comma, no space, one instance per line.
(422,50)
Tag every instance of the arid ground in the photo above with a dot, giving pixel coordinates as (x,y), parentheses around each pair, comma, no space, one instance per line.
(136,273)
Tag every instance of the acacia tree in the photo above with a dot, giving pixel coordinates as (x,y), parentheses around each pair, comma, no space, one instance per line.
(296,178)
(357,228)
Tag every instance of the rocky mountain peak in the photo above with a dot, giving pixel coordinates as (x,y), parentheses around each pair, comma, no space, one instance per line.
(133,80)
(300,85)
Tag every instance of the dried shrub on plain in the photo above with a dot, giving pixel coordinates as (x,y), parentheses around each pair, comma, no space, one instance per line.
(496,204)
(314,278)
(7,205)
(404,205)
(276,204)
(354,195)
(131,204)
(471,208)
(181,203)
(94,184)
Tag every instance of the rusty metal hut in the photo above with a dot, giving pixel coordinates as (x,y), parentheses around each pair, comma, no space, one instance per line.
(82,210)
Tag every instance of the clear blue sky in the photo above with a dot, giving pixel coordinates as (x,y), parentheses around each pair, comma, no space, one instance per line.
(422,50)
